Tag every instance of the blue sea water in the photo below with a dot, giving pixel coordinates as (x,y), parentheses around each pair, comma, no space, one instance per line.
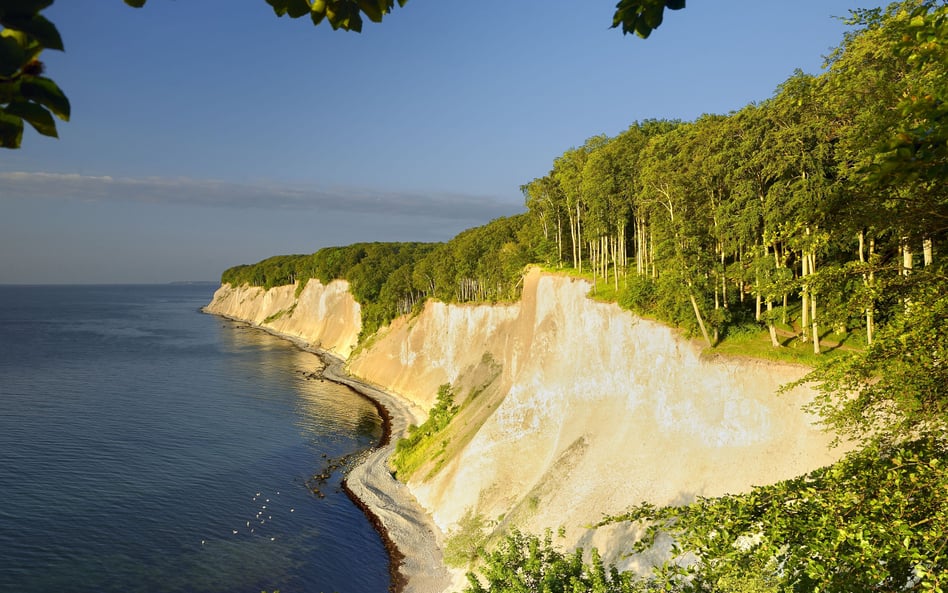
(141,441)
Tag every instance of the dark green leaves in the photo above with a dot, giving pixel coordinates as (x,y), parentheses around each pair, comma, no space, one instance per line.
(11,130)
(45,92)
(341,14)
(25,95)
(36,26)
(35,115)
(643,16)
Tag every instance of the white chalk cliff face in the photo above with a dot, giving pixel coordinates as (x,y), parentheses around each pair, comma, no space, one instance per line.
(575,409)
(325,316)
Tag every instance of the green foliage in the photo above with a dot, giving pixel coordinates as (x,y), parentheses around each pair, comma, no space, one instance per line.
(377,274)
(897,386)
(463,544)
(484,263)
(643,16)
(876,521)
(424,442)
(526,563)
(25,94)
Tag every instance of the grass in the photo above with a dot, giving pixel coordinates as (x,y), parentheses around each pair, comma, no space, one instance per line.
(750,340)
(279,314)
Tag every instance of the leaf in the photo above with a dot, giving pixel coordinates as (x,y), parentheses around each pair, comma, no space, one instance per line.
(279,6)
(654,15)
(11,130)
(297,8)
(37,27)
(45,92)
(36,115)
(25,7)
(135,3)
(12,55)
(675,4)
(372,9)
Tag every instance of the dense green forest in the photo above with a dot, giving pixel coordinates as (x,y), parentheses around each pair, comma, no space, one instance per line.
(821,210)
(391,279)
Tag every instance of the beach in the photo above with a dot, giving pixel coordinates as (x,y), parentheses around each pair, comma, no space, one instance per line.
(402,522)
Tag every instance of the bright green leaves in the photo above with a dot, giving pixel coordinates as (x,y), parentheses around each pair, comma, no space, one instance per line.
(525,562)
(643,16)
(25,95)
(341,14)
(921,152)
(875,521)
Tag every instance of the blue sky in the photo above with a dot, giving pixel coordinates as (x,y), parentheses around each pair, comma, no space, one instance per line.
(207,134)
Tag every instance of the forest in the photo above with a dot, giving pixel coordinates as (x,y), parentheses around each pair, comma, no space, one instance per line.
(816,217)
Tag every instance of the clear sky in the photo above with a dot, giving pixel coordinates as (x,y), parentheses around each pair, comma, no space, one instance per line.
(207,134)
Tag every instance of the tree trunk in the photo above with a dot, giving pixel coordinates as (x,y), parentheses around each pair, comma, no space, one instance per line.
(704,330)
(804,299)
(559,240)
(928,256)
(770,325)
(759,301)
(906,257)
(651,254)
(867,279)
(816,331)
(579,240)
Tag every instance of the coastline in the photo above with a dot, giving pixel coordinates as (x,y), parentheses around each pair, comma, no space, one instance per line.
(413,542)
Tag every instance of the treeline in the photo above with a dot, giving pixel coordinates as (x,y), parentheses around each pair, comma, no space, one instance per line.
(815,210)
(822,198)
(392,279)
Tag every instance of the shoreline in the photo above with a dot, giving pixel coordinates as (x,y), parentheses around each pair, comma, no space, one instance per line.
(412,541)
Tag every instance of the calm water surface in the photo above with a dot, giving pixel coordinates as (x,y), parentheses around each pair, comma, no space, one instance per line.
(137,435)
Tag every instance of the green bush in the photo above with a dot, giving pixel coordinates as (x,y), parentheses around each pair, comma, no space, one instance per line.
(418,446)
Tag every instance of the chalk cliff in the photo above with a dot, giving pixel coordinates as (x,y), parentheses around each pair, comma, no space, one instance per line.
(572,408)
(324,316)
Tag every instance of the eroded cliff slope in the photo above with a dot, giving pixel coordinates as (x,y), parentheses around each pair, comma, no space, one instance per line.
(324,316)
(581,408)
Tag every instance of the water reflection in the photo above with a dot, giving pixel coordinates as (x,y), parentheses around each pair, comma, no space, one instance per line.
(323,407)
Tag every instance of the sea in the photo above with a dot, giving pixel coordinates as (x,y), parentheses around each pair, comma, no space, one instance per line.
(148,447)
